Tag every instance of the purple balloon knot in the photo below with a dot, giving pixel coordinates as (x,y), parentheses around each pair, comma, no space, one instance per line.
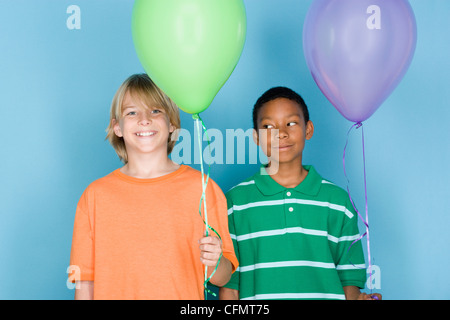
(358,125)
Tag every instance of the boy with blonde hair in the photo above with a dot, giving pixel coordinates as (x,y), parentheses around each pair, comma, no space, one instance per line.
(137,232)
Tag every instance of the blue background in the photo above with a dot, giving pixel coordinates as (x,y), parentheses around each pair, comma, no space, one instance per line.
(57,85)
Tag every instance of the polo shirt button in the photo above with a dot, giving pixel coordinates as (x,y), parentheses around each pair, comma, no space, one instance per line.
(288,193)
(291,209)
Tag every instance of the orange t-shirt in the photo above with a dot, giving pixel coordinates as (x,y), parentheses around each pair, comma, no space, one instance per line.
(138,238)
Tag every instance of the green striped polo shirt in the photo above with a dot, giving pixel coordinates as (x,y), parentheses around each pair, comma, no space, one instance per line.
(294,243)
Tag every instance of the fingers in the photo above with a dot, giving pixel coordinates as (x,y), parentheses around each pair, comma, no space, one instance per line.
(210,240)
(365,296)
(210,250)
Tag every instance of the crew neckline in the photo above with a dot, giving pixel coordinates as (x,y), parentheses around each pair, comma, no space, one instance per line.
(165,177)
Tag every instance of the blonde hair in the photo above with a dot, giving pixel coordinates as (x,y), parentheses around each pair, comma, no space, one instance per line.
(143,88)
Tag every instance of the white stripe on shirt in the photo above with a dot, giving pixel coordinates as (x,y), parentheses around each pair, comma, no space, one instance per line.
(350,267)
(280,232)
(285,201)
(284,231)
(284,296)
(243,184)
(298,263)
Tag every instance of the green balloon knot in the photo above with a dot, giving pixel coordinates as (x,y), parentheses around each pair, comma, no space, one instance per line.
(195,116)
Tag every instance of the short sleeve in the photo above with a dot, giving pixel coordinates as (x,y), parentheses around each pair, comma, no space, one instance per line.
(82,252)
(218,201)
(234,281)
(351,265)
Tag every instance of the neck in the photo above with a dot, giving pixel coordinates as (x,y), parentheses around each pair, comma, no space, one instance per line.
(148,167)
(289,175)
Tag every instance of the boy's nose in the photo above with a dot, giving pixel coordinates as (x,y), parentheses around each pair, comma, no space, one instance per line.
(145,119)
(281,134)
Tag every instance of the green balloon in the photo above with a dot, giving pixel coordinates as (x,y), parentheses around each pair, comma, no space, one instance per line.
(189,47)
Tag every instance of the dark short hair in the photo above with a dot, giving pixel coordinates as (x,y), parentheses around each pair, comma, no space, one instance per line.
(275,93)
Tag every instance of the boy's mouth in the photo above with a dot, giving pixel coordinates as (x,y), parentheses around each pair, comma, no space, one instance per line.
(282,147)
(146,134)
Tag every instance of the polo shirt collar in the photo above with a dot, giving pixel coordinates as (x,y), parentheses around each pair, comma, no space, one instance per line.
(309,186)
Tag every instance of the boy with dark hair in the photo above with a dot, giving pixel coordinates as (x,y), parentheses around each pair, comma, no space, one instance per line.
(292,230)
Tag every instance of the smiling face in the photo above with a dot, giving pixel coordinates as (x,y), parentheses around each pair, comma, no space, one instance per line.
(144,129)
(142,92)
(282,130)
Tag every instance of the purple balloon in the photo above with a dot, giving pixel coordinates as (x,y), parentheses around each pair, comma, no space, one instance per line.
(358,51)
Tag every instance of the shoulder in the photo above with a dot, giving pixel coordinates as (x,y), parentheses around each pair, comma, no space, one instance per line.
(189,172)
(95,189)
(326,188)
(334,196)
(243,184)
(337,197)
(100,186)
(243,188)
(193,178)
(333,190)
(102,182)
(250,181)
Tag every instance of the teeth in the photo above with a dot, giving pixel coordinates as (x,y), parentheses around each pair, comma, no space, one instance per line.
(145,134)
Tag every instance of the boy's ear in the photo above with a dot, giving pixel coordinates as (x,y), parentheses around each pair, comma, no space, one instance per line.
(173,133)
(309,130)
(117,129)
(255,137)
(171,128)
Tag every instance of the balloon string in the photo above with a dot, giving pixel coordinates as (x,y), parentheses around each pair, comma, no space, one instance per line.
(199,120)
(366,220)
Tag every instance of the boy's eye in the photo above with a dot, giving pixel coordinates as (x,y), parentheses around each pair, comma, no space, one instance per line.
(156,111)
(131,113)
(267,126)
(292,123)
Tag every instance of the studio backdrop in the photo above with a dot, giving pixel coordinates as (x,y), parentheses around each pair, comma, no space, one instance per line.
(62,61)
